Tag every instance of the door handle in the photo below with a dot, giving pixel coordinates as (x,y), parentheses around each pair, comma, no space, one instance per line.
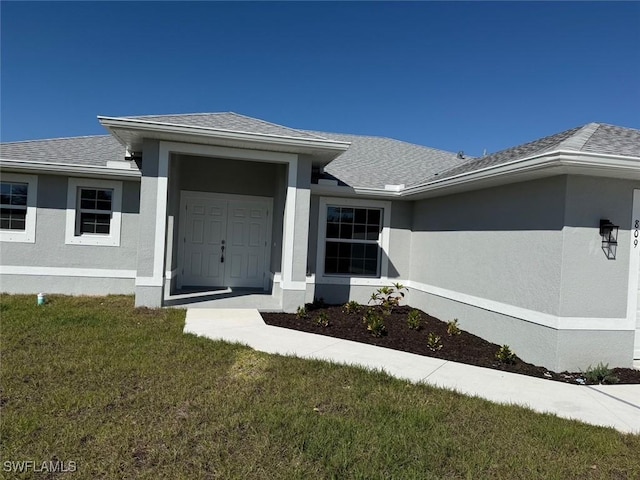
(222,252)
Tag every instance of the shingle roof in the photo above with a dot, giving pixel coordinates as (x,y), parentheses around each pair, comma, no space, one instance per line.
(370,162)
(613,140)
(228,121)
(373,162)
(593,137)
(93,150)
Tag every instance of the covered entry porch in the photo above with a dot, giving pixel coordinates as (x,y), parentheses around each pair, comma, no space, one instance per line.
(224,216)
(231,227)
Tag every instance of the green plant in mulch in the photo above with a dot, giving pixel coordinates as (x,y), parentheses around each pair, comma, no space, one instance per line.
(388,298)
(434,342)
(505,354)
(352,307)
(600,374)
(453,328)
(414,320)
(322,320)
(375,323)
(301,313)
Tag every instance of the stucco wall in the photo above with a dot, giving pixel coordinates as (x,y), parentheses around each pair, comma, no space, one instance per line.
(313,234)
(400,240)
(303,200)
(279,199)
(502,244)
(207,174)
(149,196)
(592,285)
(557,350)
(173,213)
(533,245)
(50,250)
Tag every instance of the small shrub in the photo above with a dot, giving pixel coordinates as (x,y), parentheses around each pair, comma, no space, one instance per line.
(453,328)
(600,374)
(387,298)
(414,320)
(505,355)
(352,307)
(301,313)
(375,323)
(434,342)
(322,320)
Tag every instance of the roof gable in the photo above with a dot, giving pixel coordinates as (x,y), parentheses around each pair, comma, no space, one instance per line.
(227,121)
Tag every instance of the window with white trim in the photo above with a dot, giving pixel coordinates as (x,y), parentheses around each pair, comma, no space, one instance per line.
(352,238)
(13,201)
(18,207)
(93,212)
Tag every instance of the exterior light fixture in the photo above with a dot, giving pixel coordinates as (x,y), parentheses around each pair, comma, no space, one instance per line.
(609,234)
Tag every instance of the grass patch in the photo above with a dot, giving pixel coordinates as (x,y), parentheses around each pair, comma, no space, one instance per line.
(125,394)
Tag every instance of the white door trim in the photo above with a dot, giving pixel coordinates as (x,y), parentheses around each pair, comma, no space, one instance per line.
(186,194)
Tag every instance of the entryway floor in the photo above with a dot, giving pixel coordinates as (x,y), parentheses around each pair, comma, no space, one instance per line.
(616,406)
(224,298)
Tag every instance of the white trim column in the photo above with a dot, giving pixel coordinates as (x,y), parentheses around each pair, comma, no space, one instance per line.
(152,224)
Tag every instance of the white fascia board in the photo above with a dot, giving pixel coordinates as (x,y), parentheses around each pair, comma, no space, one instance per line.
(555,162)
(351,192)
(614,163)
(549,163)
(112,123)
(66,169)
(378,192)
(499,173)
(546,160)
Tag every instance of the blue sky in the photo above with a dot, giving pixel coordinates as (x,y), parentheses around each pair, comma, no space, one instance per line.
(455,75)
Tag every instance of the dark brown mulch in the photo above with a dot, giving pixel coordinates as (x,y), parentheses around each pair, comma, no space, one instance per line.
(463,348)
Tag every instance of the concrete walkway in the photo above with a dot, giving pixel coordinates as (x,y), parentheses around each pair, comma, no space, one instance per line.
(616,406)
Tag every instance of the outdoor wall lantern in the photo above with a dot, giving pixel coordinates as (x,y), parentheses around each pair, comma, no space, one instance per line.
(609,234)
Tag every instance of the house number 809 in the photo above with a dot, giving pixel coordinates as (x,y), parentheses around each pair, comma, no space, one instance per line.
(636,226)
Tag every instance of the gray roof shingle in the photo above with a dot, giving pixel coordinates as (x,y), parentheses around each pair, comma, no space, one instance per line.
(94,150)
(593,137)
(228,121)
(373,162)
(613,140)
(370,162)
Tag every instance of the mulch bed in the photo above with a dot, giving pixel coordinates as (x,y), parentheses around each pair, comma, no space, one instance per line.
(463,348)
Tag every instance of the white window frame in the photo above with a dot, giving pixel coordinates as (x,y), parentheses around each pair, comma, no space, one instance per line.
(28,235)
(383,240)
(72,237)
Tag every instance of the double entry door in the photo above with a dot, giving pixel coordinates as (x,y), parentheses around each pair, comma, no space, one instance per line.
(225,240)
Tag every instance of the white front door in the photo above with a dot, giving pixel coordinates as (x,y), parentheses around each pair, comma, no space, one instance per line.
(225,240)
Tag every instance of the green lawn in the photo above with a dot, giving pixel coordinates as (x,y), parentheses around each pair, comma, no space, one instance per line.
(123,393)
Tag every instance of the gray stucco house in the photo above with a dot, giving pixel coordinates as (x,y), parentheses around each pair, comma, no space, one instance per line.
(535,246)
